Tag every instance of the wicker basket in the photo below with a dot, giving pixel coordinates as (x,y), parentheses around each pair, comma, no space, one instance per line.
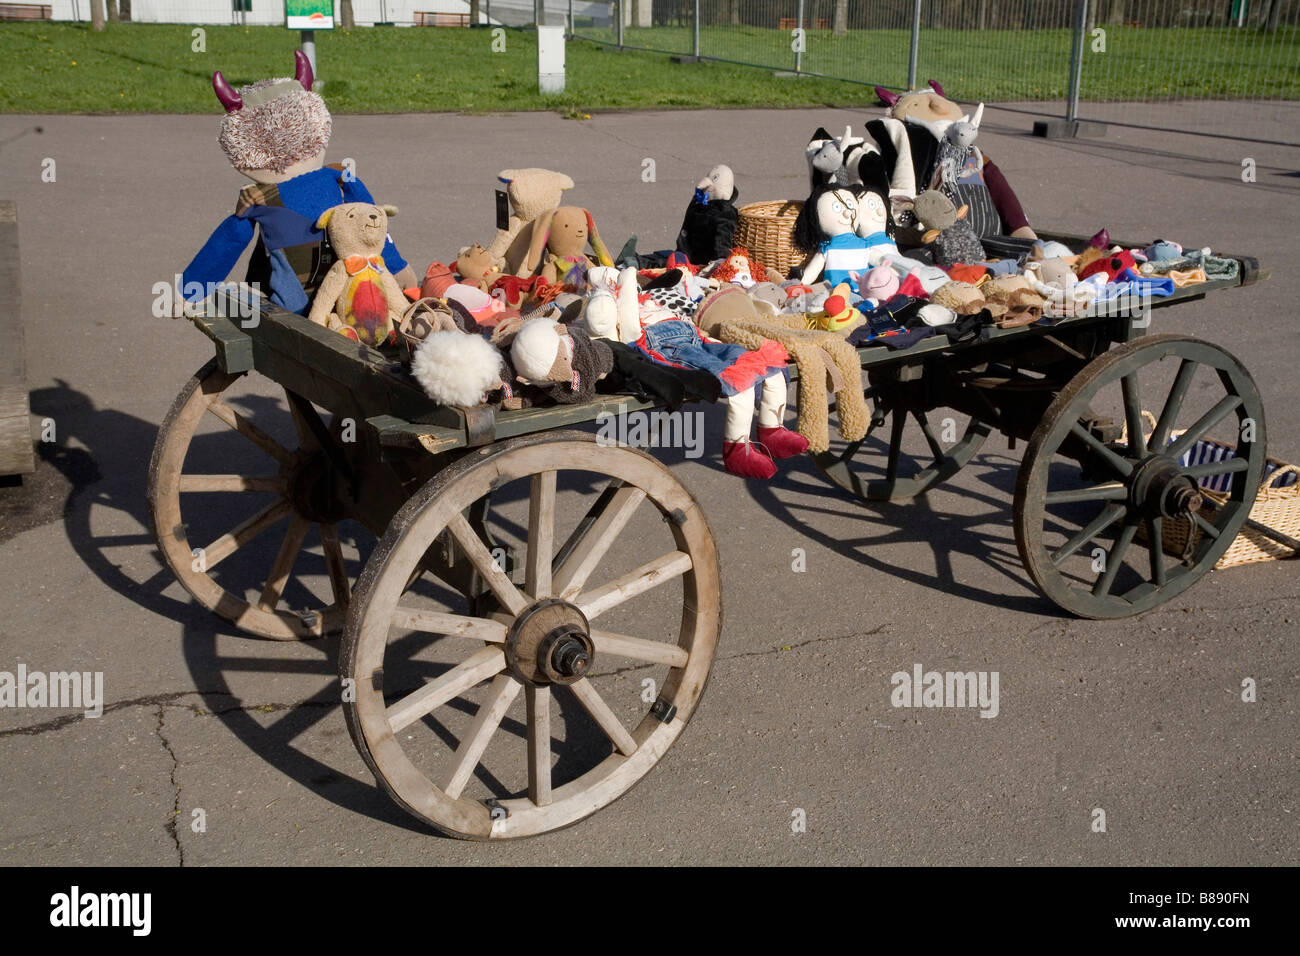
(766,229)
(1277,506)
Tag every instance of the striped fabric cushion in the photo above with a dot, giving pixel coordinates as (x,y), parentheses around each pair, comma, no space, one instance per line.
(1206,451)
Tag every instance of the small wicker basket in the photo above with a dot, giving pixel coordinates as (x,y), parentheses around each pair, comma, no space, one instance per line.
(1277,506)
(766,229)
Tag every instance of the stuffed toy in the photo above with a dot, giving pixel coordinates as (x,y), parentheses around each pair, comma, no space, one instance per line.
(740,268)
(826,232)
(878,284)
(836,314)
(732,317)
(680,343)
(1064,292)
(456,368)
(611,309)
(1023,304)
(562,362)
(275,133)
(359,296)
(946,229)
(855,161)
(709,226)
(559,243)
(927,114)
(530,193)
(477,267)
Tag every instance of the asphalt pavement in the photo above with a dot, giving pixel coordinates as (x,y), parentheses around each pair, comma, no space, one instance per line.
(1142,718)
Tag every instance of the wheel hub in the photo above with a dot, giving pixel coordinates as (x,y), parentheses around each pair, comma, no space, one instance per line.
(550,643)
(1160,489)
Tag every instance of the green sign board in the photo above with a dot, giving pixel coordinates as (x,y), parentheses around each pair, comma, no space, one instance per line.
(309,14)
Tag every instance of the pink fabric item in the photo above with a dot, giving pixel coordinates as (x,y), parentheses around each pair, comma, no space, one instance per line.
(752,367)
(742,459)
(781,442)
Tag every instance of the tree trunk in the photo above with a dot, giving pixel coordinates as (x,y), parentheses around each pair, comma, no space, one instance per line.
(735,12)
(1274,14)
(539,12)
(97,15)
(1116,12)
(124,10)
(346,18)
(473,10)
(111,6)
(841,18)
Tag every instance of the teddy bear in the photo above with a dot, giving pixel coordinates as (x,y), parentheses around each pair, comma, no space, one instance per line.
(359,297)
(275,133)
(530,193)
(559,243)
(946,229)
(477,267)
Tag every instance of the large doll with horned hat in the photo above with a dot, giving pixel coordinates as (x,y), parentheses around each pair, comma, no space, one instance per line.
(275,132)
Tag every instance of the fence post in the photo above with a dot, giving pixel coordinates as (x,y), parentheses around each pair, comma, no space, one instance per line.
(1076,60)
(620,24)
(798,50)
(916,36)
(570,17)
(695,30)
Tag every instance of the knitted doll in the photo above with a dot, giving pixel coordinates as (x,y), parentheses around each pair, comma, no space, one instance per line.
(275,132)
(740,268)
(709,226)
(927,114)
(947,229)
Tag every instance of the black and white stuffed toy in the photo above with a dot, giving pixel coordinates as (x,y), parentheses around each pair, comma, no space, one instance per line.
(884,152)
(709,227)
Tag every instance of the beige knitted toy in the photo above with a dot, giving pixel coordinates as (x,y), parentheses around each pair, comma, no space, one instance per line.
(531,192)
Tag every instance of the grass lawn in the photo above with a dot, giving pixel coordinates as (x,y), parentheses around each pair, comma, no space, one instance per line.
(64,67)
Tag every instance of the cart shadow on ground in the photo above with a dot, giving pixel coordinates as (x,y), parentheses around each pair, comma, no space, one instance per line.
(94,478)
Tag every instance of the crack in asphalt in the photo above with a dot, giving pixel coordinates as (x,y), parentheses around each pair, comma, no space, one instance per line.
(170,826)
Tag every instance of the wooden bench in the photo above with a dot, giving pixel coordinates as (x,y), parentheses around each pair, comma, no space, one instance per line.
(792,23)
(16,453)
(424,19)
(26,11)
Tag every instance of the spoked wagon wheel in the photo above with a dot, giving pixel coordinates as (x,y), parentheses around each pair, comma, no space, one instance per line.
(1096,538)
(287,484)
(630,599)
(922,449)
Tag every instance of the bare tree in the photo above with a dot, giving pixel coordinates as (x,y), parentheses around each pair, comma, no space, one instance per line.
(111,6)
(473,11)
(124,10)
(1116,12)
(97,15)
(347,20)
(841,18)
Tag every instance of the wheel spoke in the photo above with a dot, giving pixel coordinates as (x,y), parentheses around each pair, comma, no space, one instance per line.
(896,423)
(338,572)
(639,649)
(250,431)
(649,575)
(478,667)
(1173,403)
(189,483)
(538,701)
(450,625)
(290,548)
(1110,491)
(1133,415)
(587,555)
(1156,550)
(232,541)
(935,447)
(1222,467)
(1218,413)
(1118,463)
(1108,516)
(307,440)
(481,558)
(501,695)
(1114,559)
(541,535)
(606,719)
(1205,526)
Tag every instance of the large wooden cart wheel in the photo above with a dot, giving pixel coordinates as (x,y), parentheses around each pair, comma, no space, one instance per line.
(921,449)
(1098,498)
(287,485)
(630,598)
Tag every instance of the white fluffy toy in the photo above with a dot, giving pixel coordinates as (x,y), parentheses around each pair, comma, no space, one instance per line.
(456,368)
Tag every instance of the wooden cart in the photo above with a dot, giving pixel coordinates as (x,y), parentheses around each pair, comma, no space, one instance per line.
(504,537)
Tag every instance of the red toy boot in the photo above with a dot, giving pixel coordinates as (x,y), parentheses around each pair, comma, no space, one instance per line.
(781,442)
(741,458)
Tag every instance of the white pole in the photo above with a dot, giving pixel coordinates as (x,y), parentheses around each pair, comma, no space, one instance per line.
(309,50)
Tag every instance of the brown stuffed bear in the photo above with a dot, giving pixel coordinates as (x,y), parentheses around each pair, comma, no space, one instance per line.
(560,239)
(531,192)
(477,267)
(359,297)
